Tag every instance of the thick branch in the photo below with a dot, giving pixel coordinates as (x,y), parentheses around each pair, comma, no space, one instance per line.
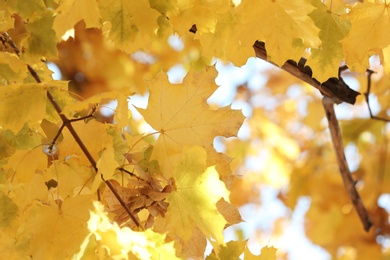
(338,146)
(334,88)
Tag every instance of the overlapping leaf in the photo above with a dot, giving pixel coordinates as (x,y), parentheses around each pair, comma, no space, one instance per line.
(133,24)
(198,189)
(71,12)
(369,21)
(182,116)
(325,60)
(282,24)
(21,103)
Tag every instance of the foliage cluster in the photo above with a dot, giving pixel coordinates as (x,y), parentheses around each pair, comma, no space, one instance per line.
(164,192)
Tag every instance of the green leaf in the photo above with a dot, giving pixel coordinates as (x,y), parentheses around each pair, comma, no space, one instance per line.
(8,210)
(42,40)
(325,60)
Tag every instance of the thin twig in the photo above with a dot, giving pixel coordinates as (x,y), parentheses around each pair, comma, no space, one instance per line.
(338,146)
(68,124)
(11,43)
(367,94)
(53,142)
(130,173)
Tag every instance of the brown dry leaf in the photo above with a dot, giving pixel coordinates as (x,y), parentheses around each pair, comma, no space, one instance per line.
(94,67)
(229,212)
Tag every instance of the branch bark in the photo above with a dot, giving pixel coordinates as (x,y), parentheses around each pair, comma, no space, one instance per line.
(338,146)
(334,88)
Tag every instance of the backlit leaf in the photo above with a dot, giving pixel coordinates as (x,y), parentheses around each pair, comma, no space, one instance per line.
(198,189)
(72,11)
(133,24)
(368,20)
(182,116)
(325,60)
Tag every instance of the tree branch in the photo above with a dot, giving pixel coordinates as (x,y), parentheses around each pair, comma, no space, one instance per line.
(334,88)
(338,146)
(68,124)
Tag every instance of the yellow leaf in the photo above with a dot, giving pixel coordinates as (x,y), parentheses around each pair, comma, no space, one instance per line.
(94,136)
(70,12)
(5,16)
(202,13)
(25,163)
(195,247)
(106,166)
(122,112)
(70,177)
(111,241)
(133,23)
(62,229)
(85,104)
(59,90)
(386,59)
(198,189)
(267,253)
(282,23)
(12,70)
(182,116)
(42,39)
(20,104)
(27,10)
(369,21)
(325,60)
(232,250)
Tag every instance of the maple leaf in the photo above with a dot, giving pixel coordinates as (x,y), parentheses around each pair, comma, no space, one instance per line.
(107,239)
(267,253)
(232,250)
(8,210)
(198,189)
(88,133)
(25,163)
(27,10)
(182,116)
(49,223)
(202,13)
(366,37)
(12,69)
(70,178)
(129,28)
(72,11)
(42,38)
(21,103)
(106,166)
(325,60)
(282,23)
(5,16)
